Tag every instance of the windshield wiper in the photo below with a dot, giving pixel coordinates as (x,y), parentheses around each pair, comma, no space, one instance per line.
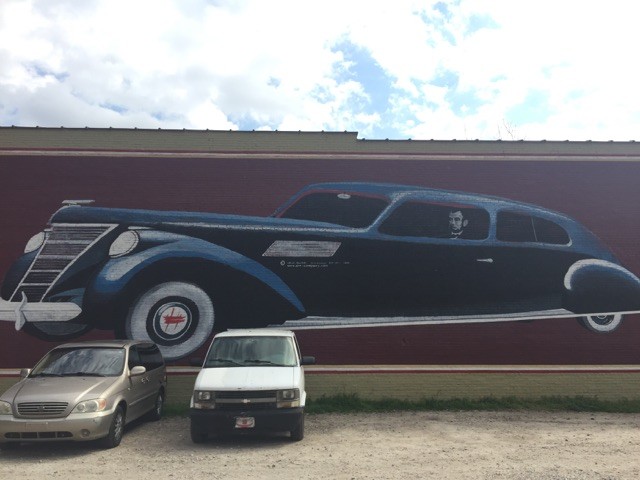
(261,362)
(83,374)
(223,360)
(45,374)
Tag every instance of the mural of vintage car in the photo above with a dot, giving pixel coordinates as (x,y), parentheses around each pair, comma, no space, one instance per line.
(334,255)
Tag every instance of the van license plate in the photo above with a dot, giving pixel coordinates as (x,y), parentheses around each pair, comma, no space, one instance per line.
(245,422)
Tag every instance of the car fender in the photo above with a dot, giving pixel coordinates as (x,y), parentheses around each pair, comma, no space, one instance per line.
(600,286)
(119,274)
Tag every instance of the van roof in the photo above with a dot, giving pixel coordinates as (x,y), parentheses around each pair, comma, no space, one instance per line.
(256,332)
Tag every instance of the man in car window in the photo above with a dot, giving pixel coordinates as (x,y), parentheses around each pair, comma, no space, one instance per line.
(457,224)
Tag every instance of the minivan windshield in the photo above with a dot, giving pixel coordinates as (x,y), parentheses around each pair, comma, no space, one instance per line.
(261,351)
(94,361)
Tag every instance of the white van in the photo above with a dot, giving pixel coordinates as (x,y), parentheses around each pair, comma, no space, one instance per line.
(250,380)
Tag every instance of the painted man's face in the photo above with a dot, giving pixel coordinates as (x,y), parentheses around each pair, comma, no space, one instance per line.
(456,221)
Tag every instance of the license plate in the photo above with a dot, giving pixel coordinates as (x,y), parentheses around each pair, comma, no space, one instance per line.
(245,422)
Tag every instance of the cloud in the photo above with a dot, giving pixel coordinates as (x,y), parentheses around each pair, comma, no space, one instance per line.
(403,69)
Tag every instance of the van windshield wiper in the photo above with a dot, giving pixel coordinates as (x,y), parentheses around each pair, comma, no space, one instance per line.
(45,374)
(222,360)
(261,362)
(83,374)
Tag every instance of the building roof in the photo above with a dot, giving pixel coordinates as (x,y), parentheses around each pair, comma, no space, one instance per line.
(330,145)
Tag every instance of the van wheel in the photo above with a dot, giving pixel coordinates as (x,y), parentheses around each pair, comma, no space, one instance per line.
(177,316)
(116,431)
(197,436)
(297,433)
(156,413)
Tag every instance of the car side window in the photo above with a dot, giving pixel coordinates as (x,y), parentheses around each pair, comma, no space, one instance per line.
(134,357)
(436,220)
(517,227)
(150,357)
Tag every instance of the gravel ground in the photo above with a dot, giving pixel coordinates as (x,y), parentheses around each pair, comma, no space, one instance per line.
(443,445)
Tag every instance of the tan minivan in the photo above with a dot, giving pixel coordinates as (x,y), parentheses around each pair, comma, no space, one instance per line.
(85,391)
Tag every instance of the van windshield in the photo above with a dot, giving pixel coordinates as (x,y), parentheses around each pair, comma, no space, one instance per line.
(261,351)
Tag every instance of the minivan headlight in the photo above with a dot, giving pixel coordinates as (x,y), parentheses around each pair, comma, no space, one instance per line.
(204,400)
(289,398)
(35,242)
(90,406)
(124,244)
(5,408)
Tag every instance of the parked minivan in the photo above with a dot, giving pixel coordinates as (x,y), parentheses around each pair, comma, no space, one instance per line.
(85,391)
(251,380)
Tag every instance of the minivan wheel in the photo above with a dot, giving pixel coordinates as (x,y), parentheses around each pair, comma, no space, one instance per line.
(156,413)
(177,316)
(297,433)
(116,431)
(197,436)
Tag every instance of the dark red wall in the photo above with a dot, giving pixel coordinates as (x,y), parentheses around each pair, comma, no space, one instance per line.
(603,196)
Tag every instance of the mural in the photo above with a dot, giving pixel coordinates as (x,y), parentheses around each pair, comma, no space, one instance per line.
(335,255)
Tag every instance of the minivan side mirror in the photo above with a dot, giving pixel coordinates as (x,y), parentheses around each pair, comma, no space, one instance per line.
(307,360)
(24,373)
(137,370)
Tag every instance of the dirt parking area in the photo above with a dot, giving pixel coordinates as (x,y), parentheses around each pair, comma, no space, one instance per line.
(443,445)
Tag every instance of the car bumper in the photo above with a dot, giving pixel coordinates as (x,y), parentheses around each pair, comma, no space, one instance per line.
(76,427)
(23,312)
(224,421)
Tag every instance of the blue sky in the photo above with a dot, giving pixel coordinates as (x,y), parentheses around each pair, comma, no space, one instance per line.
(458,69)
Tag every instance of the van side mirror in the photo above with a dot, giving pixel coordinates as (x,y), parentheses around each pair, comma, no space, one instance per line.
(24,373)
(196,361)
(137,370)
(308,360)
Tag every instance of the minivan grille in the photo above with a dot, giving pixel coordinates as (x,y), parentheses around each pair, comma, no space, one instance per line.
(42,409)
(64,244)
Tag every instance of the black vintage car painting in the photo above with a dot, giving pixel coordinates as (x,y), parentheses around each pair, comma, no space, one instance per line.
(334,255)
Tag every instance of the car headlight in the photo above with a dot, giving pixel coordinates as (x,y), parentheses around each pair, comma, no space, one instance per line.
(35,242)
(90,406)
(5,408)
(204,400)
(124,244)
(289,398)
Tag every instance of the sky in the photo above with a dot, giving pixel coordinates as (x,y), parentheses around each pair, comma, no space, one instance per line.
(397,69)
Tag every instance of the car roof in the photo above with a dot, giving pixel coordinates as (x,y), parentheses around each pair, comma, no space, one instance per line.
(256,332)
(104,344)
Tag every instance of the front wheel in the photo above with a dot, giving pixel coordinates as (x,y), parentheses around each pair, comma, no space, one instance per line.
(116,430)
(297,433)
(197,436)
(177,316)
(602,323)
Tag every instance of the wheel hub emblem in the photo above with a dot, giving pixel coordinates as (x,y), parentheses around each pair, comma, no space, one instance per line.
(172,320)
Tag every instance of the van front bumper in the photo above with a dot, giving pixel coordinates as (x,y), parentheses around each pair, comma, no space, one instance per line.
(76,427)
(224,421)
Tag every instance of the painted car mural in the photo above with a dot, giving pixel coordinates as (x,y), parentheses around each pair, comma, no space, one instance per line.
(334,255)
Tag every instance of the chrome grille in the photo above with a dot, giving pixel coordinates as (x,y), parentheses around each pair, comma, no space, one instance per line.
(249,400)
(64,244)
(42,409)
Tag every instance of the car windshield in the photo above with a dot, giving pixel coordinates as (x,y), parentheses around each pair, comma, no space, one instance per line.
(261,351)
(339,208)
(94,361)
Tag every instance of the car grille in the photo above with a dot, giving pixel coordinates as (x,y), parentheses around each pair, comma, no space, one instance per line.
(249,400)
(42,409)
(64,244)
(37,435)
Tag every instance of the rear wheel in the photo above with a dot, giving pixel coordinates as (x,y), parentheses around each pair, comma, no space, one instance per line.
(602,323)
(156,413)
(177,316)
